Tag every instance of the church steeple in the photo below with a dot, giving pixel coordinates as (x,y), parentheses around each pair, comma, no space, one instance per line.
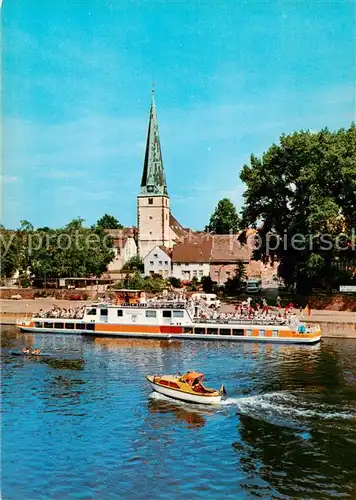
(153,177)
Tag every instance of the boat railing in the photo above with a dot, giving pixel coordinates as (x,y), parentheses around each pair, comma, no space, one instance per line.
(241,321)
(155,305)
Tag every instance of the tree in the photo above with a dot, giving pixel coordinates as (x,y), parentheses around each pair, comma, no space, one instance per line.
(237,283)
(224,220)
(10,249)
(175,282)
(109,222)
(305,185)
(133,264)
(193,285)
(208,284)
(73,251)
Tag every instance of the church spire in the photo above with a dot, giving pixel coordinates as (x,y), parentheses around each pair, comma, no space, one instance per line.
(153,178)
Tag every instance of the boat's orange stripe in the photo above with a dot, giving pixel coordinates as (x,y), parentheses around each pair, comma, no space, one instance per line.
(105,327)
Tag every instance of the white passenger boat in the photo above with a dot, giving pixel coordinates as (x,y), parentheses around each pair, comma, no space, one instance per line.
(171,320)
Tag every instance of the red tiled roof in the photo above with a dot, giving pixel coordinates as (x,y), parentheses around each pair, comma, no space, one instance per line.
(227,248)
(206,247)
(192,251)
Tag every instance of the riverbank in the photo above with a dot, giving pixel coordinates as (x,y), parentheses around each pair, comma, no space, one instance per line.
(341,324)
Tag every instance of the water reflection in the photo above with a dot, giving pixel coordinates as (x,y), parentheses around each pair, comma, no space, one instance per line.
(194,418)
(126,343)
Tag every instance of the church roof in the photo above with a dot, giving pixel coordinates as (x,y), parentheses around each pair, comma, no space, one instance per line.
(153,178)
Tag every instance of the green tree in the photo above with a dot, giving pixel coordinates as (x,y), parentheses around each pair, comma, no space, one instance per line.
(237,283)
(193,285)
(175,282)
(225,219)
(304,185)
(10,249)
(208,284)
(109,222)
(133,264)
(73,251)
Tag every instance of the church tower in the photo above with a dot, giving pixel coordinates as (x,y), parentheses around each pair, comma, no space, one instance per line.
(153,208)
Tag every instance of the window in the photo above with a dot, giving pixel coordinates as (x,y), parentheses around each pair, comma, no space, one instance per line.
(150,217)
(69,326)
(195,273)
(186,264)
(199,331)
(261,333)
(92,311)
(103,312)
(249,333)
(201,273)
(167,314)
(166,262)
(120,312)
(228,273)
(151,314)
(225,331)
(178,314)
(58,326)
(46,324)
(150,201)
(212,331)
(274,333)
(91,326)
(200,264)
(188,329)
(160,262)
(166,216)
(237,332)
(155,255)
(80,326)
(151,263)
(38,324)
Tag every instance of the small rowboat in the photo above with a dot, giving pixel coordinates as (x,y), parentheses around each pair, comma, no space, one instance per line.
(29,354)
(187,387)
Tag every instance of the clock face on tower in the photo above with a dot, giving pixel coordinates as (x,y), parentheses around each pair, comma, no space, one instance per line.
(150,189)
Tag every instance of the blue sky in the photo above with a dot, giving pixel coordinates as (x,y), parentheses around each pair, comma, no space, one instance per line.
(231,76)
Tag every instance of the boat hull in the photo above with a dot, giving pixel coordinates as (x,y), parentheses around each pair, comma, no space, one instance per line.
(140,331)
(184,396)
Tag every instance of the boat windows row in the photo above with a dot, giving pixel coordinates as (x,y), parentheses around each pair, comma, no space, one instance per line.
(149,313)
(66,326)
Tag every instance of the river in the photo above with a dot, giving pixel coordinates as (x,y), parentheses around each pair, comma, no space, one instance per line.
(84,423)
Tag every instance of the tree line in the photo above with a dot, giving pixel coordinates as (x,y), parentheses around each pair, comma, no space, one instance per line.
(44,253)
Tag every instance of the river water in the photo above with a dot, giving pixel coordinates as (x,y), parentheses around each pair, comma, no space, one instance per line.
(84,424)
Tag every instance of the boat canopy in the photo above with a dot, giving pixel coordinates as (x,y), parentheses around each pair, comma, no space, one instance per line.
(190,376)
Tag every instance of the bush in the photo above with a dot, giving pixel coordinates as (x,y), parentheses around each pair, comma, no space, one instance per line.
(175,282)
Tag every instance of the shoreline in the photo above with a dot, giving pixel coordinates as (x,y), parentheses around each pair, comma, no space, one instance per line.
(334,324)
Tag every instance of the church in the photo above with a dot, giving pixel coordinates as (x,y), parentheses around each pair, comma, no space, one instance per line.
(163,244)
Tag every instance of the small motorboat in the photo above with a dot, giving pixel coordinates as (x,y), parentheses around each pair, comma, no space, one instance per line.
(187,387)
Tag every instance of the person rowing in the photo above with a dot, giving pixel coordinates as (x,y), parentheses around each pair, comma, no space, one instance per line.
(26,350)
(36,352)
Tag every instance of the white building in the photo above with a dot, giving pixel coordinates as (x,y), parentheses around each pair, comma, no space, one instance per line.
(125,248)
(191,259)
(158,261)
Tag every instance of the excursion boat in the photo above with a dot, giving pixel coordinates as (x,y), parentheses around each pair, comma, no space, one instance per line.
(188,387)
(170,320)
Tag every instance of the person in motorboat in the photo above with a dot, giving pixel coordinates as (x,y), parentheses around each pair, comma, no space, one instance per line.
(26,350)
(36,352)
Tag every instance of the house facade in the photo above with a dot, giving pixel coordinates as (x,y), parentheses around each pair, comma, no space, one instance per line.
(158,261)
